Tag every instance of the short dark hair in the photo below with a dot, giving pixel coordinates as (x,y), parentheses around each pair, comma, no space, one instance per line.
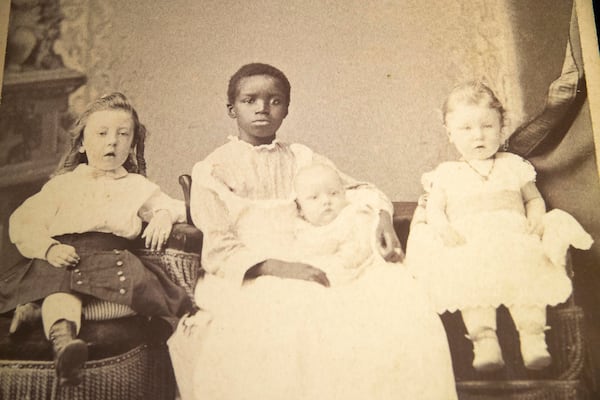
(257,69)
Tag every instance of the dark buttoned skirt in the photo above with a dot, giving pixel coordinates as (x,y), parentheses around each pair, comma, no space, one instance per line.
(107,270)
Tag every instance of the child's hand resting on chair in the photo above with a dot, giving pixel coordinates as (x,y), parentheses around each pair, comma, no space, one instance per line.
(158,230)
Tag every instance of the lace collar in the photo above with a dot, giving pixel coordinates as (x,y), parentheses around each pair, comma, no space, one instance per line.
(275,144)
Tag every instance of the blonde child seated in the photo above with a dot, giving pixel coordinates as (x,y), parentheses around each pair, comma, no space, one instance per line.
(77,231)
(481,246)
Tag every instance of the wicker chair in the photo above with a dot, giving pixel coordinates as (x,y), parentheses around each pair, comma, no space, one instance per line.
(563,379)
(128,357)
(128,360)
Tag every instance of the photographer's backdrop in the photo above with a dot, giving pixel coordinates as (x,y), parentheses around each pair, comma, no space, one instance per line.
(368,78)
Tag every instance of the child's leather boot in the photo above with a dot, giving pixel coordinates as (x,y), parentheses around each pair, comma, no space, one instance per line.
(534,349)
(25,314)
(487,355)
(70,353)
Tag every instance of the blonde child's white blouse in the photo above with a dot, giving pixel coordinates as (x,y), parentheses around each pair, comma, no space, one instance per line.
(88,200)
(238,175)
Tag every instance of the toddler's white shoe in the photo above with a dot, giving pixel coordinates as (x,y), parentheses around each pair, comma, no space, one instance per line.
(487,355)
(534,350)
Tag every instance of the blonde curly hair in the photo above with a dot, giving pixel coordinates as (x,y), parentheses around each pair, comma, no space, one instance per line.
(115,101)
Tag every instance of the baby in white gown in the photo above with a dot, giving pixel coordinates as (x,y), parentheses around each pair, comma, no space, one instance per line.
(323,230)
(488,240)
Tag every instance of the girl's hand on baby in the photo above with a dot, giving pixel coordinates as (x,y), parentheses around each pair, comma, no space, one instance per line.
(158,230)
(62,255)
(451,237)
(309,273)
(290,270)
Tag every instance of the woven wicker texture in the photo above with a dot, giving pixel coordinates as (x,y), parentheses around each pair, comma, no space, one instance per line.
(128,359)
(142,373)
(529,391)
(561,380)
(565,343)
(183,268)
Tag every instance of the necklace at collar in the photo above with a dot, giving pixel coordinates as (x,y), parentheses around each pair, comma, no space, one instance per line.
(486,176)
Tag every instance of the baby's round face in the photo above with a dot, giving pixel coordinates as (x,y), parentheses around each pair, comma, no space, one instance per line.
(475,130)
(320,195)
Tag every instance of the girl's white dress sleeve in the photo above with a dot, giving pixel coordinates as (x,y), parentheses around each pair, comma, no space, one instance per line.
(29,224)
(79,201)
(223,253)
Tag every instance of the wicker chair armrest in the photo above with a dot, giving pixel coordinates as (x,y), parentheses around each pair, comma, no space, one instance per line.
(186,238)
(180,258)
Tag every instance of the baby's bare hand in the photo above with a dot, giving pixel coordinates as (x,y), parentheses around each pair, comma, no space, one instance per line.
(62,255)
(535,226)
(158,230)
(452,238)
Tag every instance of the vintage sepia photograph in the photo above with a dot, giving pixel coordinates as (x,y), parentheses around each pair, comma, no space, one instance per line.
(309,199)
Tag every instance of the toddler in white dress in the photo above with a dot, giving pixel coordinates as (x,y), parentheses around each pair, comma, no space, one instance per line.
(488,240)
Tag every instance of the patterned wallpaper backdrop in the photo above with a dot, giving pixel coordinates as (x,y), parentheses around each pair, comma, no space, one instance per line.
(492,57)
(367,79)
(85,46)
